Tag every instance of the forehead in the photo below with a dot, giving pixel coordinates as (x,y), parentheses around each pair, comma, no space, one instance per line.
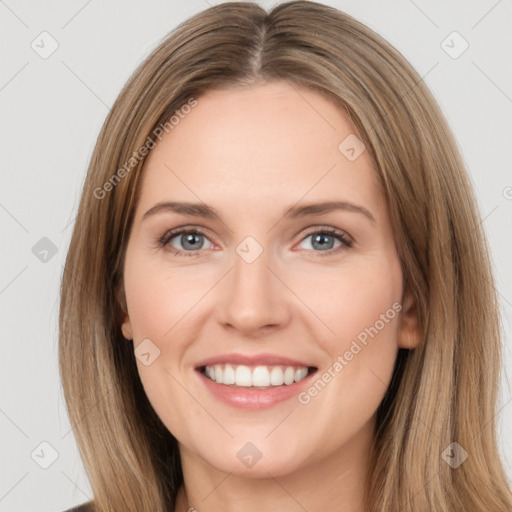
(269,144)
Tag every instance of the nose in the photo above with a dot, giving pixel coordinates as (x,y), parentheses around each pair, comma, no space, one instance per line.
(253,298)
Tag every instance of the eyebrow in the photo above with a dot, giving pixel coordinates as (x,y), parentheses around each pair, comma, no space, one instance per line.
(293,212)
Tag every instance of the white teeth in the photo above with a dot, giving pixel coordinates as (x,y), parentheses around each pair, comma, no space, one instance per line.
(300,374)
(229,375)
(260,376)
(276,376)
(289,375)
(218,374)
(243,376)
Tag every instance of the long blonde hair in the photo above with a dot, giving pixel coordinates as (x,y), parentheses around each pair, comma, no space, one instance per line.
(443,391)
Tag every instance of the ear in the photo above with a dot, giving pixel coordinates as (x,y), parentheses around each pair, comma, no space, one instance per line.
(126,326)
(409,335)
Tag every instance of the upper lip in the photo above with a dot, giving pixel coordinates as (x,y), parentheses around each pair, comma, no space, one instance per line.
(252,360)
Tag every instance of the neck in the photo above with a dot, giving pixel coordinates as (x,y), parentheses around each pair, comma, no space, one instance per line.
(337,482)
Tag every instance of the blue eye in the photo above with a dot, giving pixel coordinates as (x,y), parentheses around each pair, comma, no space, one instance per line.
(192,241)
(325,237)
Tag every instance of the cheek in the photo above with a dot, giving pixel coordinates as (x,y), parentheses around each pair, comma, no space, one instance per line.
(352,299)
(158,301)
(158,298)
(162,304)
(361,308)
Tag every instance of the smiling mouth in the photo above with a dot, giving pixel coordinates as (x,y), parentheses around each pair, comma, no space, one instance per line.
(256,377)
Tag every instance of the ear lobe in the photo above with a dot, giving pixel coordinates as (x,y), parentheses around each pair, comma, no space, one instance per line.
(409,335)
(126,329)
(126,326)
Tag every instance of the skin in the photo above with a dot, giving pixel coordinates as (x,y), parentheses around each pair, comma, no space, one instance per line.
(251,153)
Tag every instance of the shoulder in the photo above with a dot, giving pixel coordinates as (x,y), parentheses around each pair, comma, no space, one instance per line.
(84,507)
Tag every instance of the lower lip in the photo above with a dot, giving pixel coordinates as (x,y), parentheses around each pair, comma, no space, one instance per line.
(252,398)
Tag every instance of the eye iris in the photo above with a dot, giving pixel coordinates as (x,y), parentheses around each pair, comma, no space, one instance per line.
(320,238)
(189,239)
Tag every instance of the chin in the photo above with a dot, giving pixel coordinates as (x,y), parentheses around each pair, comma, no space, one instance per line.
(258,459)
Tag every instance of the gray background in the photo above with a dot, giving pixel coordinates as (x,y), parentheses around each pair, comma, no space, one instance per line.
(52,109)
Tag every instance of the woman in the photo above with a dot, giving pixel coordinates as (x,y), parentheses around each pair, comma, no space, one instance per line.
(278,293)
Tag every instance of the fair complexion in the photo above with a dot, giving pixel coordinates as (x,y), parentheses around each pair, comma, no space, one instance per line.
(251,154)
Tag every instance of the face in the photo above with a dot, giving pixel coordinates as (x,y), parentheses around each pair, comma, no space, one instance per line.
(268,327)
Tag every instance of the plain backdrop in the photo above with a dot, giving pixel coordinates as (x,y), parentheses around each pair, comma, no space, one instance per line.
(52,108)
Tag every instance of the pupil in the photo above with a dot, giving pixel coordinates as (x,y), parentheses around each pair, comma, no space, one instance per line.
(322,239)
(190,239)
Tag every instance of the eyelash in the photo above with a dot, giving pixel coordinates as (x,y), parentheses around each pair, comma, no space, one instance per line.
(346,242)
